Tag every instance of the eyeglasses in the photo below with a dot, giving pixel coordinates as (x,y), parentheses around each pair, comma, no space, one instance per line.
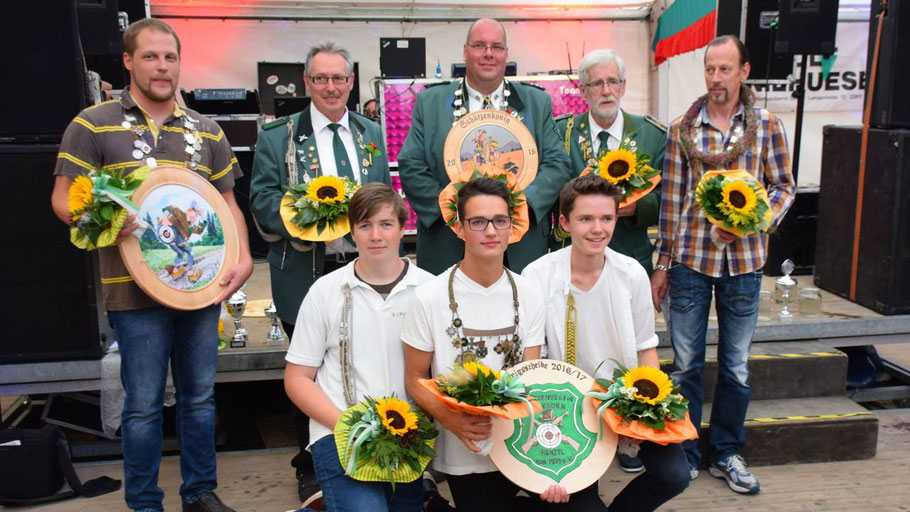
(599,84)
(481,223)
(337,80)
(482,48)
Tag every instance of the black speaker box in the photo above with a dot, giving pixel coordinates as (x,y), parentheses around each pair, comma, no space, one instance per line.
(402,57)
(891,105)
(765,63)
(794,238)
(45,84)
(102,42)
(883,277)
(49,306)
(806,27)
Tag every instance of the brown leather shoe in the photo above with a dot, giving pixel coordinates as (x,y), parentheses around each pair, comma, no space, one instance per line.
(208,502)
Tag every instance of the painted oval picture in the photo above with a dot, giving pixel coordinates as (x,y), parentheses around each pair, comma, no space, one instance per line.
(184,244)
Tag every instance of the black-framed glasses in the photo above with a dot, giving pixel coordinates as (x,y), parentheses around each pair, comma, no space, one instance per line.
(481,223)
(481,48)
(612,83)
(337,79)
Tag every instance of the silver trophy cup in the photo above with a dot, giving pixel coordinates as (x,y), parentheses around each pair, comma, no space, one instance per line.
(276,337)
(236,305)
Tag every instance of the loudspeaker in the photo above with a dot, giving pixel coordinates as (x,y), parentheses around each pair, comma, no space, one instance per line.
(402,57)
(806,27)
(891,105)
(44,87)
(49,308)
(102,42)
(765,63)
(883,277)
(794,238)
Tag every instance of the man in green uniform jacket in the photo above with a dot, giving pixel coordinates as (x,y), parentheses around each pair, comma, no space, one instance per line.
(325,139)
(421,165)
(602,76)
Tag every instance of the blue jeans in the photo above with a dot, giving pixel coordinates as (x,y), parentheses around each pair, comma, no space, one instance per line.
(148,339)
(341,493)
(736,299)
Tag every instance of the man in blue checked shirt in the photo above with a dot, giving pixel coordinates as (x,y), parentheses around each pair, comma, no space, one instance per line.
(723,130)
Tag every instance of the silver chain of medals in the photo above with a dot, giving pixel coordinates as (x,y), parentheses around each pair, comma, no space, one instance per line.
(344,341)
(461,103)
(142,149)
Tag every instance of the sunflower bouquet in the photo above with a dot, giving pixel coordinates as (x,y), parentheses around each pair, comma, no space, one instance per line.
(385,440)
(473,388)
(734,201)
(628,169)
(318,211)
(99,203)
(518,204)
(643,403)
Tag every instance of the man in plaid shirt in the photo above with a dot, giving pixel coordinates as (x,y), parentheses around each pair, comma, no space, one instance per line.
(721,131)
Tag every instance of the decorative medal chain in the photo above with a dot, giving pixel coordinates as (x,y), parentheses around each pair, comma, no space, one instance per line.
(473,348)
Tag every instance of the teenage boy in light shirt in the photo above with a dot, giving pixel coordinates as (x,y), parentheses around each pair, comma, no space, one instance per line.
(614,319)
(376,289)
(483,291)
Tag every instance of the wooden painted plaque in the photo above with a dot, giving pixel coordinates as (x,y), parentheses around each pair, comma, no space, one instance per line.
(492,142)
(190,241)
(559,445)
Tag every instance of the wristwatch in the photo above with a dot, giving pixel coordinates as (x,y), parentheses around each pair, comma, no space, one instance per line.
(662,267)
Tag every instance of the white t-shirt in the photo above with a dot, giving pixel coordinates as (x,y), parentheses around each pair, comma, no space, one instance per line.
(376,351)
(486,309)
(615,317)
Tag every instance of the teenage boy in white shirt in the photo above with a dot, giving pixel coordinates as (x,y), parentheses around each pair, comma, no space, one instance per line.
(369,296)
(613,319)
(473,303)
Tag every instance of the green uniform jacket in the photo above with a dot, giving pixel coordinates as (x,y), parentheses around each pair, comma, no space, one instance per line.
(631,234)
(423,175)
(294,271)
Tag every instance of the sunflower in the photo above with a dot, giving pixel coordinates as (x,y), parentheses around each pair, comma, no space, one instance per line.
(738,196)
(326,189)
(652,385)
(473,368)
(617,165)
(397,416)
(80,195)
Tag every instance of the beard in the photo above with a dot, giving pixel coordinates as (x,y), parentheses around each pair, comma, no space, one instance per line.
(153,94)
(606,111)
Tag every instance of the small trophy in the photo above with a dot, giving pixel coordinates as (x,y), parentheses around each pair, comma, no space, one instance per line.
(784,286)
(276,337)
(235,306)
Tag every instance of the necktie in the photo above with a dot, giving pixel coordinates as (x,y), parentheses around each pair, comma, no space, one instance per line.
(342,159)
(487,102)
(603,137)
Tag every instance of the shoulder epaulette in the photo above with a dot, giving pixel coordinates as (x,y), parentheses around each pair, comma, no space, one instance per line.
(533,85)
(434,84)
(653,120)
(281,121)
(564,116)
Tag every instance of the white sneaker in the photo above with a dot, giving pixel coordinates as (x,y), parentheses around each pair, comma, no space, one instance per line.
(733,470)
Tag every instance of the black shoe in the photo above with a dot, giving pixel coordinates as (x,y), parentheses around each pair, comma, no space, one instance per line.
(208,502)
(309,492)
(630,464)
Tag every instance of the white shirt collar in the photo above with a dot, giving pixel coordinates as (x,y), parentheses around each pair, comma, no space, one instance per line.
(409,279)
(615,129)
(475,96)
(320,121)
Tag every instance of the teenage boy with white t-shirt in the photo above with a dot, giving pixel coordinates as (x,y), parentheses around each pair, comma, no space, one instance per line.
(613,318)
(481,295)
(369,296)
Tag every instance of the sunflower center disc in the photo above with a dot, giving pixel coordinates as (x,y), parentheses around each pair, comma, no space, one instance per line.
(326,193)
(618,169)
(646,388)
(396,420)
(737,199)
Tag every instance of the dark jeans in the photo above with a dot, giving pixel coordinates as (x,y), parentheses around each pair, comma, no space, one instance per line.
(494,492)
(148,339)
(666,475)
(736,302)
(303,461)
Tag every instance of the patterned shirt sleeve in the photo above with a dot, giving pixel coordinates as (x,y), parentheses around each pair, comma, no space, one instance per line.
(225,169)
(673,190)
(777,171)
(79,149)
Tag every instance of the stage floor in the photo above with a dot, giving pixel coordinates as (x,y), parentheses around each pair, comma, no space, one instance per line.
(262,481)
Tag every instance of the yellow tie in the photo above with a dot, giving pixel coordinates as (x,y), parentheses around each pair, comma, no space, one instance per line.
(571,320)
